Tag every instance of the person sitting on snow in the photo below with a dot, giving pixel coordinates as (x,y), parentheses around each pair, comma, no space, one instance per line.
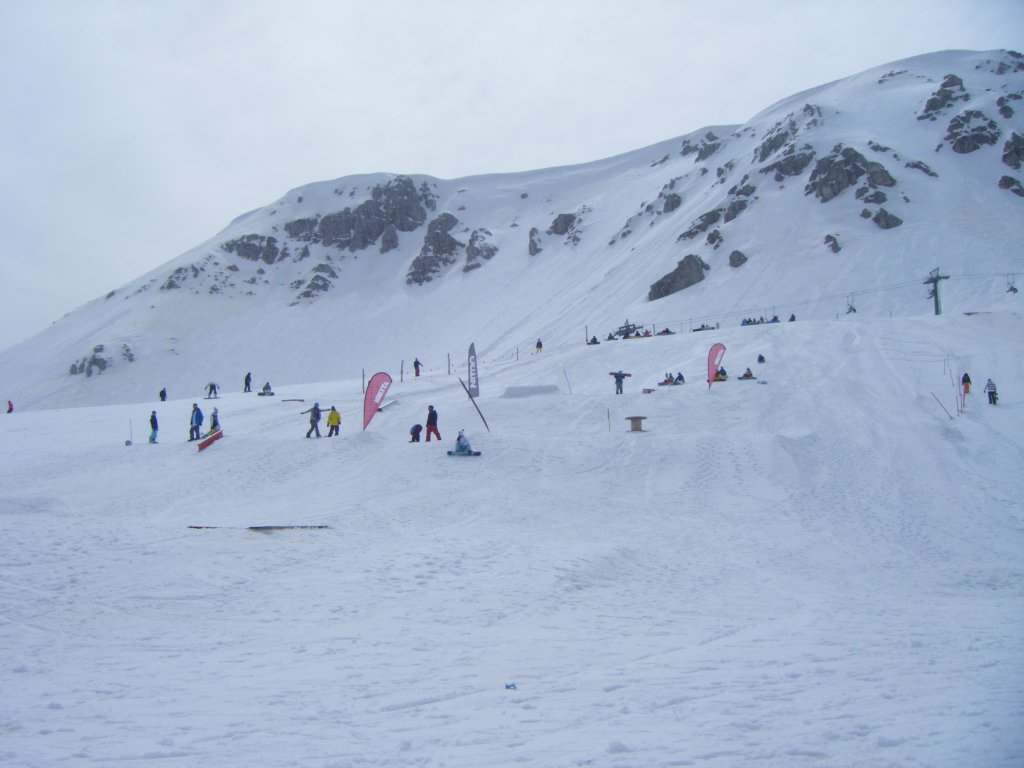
(679,378)
(747,374)
(462,446)
(721,375)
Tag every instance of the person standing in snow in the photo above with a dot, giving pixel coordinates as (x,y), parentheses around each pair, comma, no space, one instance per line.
(163,394)
(432,423)
(333,422)
(990,390)
(214,422)
(416,365)
(965,380)
(196,422)
(314,420)
(248,383)
(619,378)
(540,347)
(154,427)
(211,390)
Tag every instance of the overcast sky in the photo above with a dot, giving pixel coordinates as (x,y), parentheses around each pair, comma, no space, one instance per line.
(131,130)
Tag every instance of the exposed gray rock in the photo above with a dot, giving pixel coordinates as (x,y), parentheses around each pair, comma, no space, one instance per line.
(790,165)
(671,202)
(1012,184)
(715,238)
(843,168)
(971,131)
(886,220)
(737,259)
(876,197)
(254,248)
(832,241)
(317,284)
(689,271)
(389,238)
(562,224)
(702,224)
(479,250)
(535,247)
(1003,102)
(735,208)
(94,363)
(917,165)
(1013,151)
(438,251)
(951,91)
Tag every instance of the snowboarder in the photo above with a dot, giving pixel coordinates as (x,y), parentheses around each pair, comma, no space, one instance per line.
(679,378)
(462,446)
(965,380)
(416,365)
(415,433)
(619,378)
(540,346)
(747,374)
(195,423)
(214,422)
(333,422)
(211,390)
(432,423)
(267,391)
(990,389)
(248,383)
(314,420)
(163,394)
(10,407)
(154,427)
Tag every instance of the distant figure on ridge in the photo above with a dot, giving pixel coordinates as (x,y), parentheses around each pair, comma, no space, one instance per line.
(248,383)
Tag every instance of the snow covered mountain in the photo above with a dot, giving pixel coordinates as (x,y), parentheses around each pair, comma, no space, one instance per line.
(846,195)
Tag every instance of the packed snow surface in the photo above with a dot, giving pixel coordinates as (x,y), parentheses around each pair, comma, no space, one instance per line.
(819,568)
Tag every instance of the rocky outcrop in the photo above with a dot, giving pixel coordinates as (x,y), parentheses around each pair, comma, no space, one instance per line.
(737,259)
(534,247)
(917,165)
(479,250)
(704,148)
(438,251)
(970,131)
(97,362)
(951,91)
(843,168)
(689,271)
(562,224)
(1012,184)
(886,220)
(254,248)
(702,224)
(832,241)
(1013,151)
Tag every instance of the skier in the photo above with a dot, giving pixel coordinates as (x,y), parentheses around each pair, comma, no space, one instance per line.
(990,389)
(214,422)
(248,383)
(211,390)
(619,378)
(415,433)
(540,346)
(416,365)
(333,422)
(154,426)
(195,423)
(965,380)
(163,394)
(314,420)
(432,423)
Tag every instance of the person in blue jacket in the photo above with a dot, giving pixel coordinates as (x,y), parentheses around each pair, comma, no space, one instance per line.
(196,423)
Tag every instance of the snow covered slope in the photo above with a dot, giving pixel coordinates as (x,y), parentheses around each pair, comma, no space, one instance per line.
(823,570)
(847,194)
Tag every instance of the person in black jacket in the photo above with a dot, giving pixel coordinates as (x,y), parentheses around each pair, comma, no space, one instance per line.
(432,423)
(154,426)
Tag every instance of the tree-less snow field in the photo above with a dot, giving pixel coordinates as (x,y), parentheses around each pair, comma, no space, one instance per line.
(822,570)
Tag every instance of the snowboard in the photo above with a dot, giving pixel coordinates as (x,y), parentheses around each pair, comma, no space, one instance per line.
(471,453)
(746,378)
(210,439)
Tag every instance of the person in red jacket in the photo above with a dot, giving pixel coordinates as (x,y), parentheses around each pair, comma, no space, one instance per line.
(432,423)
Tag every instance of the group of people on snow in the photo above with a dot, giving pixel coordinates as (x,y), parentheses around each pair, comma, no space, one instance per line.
(989,388)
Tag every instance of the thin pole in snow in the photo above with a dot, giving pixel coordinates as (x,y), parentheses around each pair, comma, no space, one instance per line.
(942,406)
(567,380)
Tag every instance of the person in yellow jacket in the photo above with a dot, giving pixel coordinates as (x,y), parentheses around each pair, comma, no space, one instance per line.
(333,421)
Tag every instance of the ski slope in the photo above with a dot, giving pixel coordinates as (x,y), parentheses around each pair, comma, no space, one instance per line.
(823,570)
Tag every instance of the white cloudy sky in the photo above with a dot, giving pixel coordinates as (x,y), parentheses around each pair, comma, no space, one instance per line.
(131,130)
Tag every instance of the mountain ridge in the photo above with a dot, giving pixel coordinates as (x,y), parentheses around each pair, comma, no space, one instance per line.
(856,188)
